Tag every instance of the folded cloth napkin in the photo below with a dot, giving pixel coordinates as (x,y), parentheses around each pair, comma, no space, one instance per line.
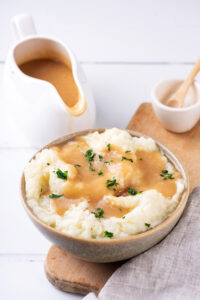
(170,270)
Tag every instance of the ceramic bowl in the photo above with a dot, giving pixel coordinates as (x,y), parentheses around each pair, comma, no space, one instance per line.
(114,249)
(176,119)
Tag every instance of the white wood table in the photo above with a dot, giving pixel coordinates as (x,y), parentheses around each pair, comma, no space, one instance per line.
(125,47)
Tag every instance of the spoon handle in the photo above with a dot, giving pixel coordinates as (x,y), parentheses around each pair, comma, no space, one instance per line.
(182,91)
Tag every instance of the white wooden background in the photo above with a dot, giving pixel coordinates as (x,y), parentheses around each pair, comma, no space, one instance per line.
(125,47)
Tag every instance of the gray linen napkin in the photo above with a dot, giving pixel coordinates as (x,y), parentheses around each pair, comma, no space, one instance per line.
(170,270)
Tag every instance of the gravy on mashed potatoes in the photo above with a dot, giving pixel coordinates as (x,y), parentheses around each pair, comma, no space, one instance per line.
(103,185)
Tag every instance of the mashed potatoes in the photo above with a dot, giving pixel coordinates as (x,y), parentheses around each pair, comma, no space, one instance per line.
(102,186)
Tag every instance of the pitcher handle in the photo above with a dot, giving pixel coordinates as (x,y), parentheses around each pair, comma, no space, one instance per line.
(23,26)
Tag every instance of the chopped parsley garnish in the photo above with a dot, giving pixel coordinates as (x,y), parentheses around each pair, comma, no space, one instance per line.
(108,162)
(147,225)
(112,182)
(89,154)
(48,164)
(77,165)
(123,217)
(98,212)
(91,157)
(132,192)
(108,234)
(127,151)
(166,175)
(100,173)
(62,175)
(170,176)
(141,158)
(91,168)
(125,158)
(54,196)
(41,192)
(100,157)
(108,146)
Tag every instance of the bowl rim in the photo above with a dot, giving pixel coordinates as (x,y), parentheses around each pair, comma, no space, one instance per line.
(168,108)
(178,210)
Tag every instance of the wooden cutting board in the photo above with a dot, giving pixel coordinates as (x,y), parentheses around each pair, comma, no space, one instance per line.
(74,275)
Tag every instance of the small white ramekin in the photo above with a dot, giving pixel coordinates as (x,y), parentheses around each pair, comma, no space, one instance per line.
(175,119)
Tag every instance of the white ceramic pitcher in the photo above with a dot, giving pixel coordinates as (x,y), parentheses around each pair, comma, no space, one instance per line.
(35,104)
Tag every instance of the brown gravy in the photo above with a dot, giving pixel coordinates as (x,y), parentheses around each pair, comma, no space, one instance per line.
(142,174)
(57,73)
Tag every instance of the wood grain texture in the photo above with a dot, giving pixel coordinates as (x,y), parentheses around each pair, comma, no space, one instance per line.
(73,275)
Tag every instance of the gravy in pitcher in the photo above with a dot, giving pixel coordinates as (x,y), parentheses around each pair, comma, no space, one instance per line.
(57,73)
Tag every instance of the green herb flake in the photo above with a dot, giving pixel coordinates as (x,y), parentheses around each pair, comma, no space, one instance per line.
(91,157)
(147,225)
(100,157)
(91,168)
(141,158)
(127,151)
(62,175)
(125,158)
(164,171)
(140,192)
(108,146)
(108,162)
(77,165)
(108,234)
(48,164)
(170,176)
(132,192)
(123,217)
(112,182)
(166,175)
(100,173)
(54,196)
(89,154)
(98,213)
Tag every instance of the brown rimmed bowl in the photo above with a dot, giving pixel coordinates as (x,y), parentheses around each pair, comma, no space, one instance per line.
(117,248)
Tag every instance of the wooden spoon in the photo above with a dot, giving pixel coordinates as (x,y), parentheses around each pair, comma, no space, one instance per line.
(177,100)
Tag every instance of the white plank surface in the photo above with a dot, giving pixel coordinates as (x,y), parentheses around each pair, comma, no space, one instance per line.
(27,239)
(25,279)
(114,30)
(125,47)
